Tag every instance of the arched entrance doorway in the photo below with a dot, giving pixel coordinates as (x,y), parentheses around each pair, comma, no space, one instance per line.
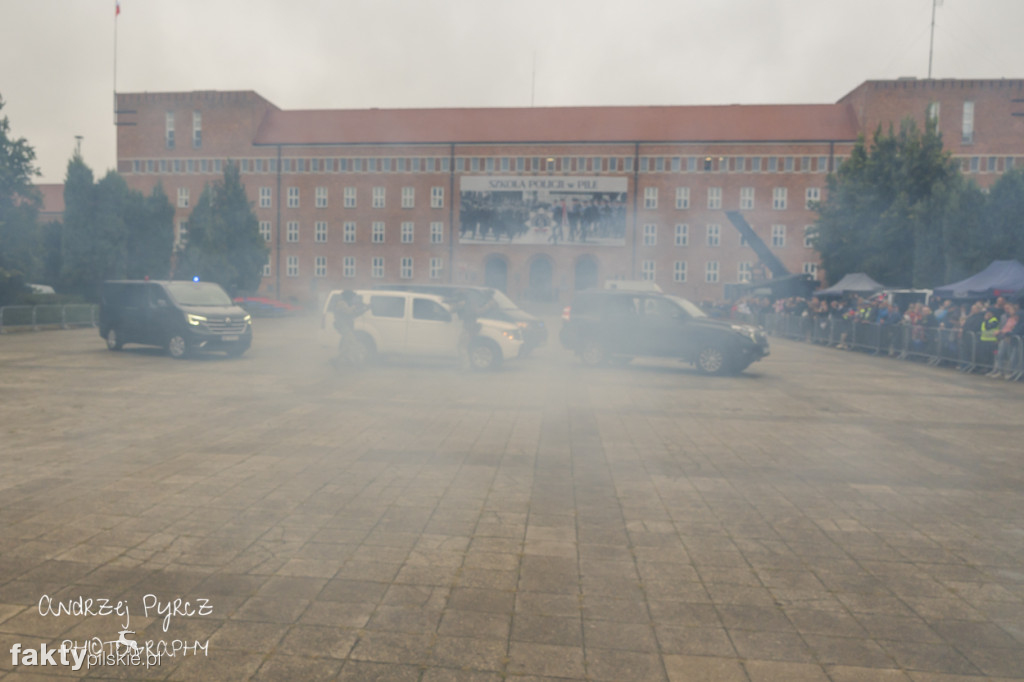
(496,273)
(541,279)
(586,273)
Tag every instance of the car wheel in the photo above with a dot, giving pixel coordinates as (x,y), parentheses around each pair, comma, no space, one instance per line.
(114,341)
(711,360)
(593,354)
(177,346)
(484,355)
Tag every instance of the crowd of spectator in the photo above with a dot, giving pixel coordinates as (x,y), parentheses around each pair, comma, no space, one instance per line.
(986,335)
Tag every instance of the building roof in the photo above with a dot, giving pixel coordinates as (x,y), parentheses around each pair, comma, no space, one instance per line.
(732,123)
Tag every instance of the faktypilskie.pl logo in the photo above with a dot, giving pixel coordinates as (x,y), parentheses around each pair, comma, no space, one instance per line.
(123,650)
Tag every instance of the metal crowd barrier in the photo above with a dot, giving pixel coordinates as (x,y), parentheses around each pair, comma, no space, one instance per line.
(933,345)
(36,317)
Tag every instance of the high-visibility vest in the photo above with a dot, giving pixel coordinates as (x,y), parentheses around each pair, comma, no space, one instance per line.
(989,327)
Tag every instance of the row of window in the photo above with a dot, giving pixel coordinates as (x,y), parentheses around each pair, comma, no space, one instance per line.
(648,271)
(653,164)
(780,198)
(713,236)
(378,231)
(348,267)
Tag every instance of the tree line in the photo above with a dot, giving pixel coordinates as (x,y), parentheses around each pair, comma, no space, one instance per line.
(900,210)
(110,231)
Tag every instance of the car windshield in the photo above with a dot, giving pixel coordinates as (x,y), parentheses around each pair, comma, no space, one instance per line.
(503,301)
(690,308)
(198,294)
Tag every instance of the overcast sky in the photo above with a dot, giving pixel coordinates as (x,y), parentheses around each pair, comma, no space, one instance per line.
(58,56)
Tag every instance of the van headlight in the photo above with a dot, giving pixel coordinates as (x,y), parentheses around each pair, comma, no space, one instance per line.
(195,319)
(512,335)
(247,319)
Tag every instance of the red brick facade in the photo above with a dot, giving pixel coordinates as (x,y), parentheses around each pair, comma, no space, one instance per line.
(683,167)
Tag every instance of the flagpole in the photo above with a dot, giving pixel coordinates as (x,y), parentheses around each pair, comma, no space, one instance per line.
(931,41)
(117,11)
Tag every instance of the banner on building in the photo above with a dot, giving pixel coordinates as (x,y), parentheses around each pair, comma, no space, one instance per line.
(542,210)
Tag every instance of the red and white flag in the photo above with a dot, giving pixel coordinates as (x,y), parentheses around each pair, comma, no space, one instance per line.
(117,8)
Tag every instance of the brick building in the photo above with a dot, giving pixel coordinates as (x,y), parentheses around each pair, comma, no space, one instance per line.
(538,201)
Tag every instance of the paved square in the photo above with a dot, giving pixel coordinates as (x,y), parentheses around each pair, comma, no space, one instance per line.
(824,516)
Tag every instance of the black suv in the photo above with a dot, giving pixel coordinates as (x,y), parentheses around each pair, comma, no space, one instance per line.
(535,332)
(180,316)
(616,326)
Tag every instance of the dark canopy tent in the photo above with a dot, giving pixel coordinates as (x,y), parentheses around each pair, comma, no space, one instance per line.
(856,283)
(1000,278)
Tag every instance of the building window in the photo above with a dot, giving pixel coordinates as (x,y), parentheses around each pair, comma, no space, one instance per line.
(647,271)
(789,164)
(183,197)
(321,197)
(292,269)
(933,113)
(320,266)
(679,271)
(813,195)
(682,235)
(320,231)
(968,127)
(407,232)
(408,197)
(405,271)
(348,231)
(293,197)
(437,233)
(292,233)
(197,129)
(746,198)
(348,266)
(349,200)
(437,197)
(740,164)
(266,197)
(811,269)
(378,232)
(779,198)
(266,267)
(378,197)
(755,164)
(169,129)
(773,164)
(682,198)
(745,273)
(265,230)
(714,198)
(711,271)
(714,235)
(435,268)
(809,237)
(778,235)
(823,164)
(650,235)
(377,267)
(182,232)
(650,197)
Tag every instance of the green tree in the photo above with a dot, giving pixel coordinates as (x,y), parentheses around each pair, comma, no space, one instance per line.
(1002,236)
(111,231)
(224,244)
(19,210)
(887,209)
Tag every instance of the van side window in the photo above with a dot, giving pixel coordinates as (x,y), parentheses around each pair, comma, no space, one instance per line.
(135,297)
(157,296)
(425,309)
(387,306)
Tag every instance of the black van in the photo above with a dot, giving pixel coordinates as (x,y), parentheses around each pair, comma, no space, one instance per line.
(180,316)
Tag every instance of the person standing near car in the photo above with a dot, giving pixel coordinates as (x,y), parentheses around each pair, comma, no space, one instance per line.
(469,309)
(346,308)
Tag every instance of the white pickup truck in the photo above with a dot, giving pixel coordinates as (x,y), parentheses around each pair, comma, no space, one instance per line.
(402,323)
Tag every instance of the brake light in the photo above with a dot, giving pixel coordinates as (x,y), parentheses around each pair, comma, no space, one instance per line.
(566,312)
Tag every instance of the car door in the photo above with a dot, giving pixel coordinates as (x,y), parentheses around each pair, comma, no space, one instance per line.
(432,329)
(132,325)
(388,322)
(619,325)
(160,316)
(664,327)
